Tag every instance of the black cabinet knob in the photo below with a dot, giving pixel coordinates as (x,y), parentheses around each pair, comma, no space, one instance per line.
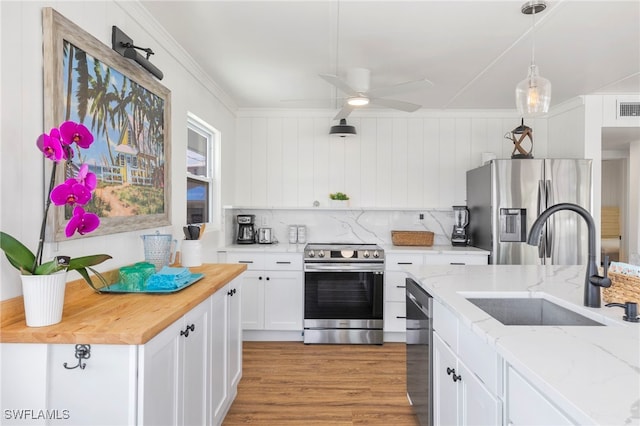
(185,332)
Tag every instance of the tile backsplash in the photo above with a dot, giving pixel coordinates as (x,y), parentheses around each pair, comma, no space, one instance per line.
(350,225)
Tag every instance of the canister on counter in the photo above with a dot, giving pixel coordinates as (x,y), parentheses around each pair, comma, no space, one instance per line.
(302,234)
(293,234)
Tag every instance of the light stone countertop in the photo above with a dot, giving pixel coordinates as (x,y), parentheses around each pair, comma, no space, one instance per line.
(592,373)
(285,247)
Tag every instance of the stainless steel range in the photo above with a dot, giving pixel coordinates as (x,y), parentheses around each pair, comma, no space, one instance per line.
(343,293)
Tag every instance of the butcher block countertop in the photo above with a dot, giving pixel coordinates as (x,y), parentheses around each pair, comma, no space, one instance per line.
(107,318)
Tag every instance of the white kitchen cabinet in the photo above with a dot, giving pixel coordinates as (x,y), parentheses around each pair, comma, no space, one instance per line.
(395,307)
(226,349)
(527,406)
(460,398)
(108,375)
(272,296)
(174,371)
(394,288)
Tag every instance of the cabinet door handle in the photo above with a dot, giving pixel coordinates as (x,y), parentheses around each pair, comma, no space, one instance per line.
(401,286)
(399,317)
(452,371)
(259,278)
(231,292)
(267,278)
(456,378)
(457,263)
(283,263)
(405,263)
(245,261)
(185,332)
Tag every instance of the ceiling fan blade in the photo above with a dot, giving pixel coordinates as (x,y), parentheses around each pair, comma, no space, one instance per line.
(395,104)
(344,112)
(339,83)
(408,86)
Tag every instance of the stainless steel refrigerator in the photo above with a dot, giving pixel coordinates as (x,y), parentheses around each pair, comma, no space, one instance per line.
(505,197)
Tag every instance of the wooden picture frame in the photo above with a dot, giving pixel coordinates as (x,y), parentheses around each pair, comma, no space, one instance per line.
(128,112)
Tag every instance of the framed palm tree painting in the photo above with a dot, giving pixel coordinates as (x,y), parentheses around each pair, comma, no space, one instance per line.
(128,113)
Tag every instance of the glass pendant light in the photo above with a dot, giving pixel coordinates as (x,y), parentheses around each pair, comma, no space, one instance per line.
(533,94)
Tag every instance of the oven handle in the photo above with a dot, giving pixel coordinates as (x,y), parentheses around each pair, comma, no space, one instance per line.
(314,267)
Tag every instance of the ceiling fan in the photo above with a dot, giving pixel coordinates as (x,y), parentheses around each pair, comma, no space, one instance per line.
(359,94)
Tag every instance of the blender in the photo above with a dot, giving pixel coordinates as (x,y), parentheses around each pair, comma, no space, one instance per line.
(459,235)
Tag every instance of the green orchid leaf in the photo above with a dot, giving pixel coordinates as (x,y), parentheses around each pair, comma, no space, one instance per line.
(17,253)
(85,275)
(77,263)
(48,268)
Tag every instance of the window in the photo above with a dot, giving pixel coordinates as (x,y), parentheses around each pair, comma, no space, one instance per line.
(203,172)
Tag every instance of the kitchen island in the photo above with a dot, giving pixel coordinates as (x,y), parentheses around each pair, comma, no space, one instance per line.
(120,359)
(590,374)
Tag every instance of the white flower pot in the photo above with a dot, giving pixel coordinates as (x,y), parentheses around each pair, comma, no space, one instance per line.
(43,298)
(339,203)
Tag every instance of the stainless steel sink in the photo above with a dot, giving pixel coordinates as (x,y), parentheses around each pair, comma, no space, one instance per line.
(531,311)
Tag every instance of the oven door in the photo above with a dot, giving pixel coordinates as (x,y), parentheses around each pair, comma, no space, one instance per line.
(343,296)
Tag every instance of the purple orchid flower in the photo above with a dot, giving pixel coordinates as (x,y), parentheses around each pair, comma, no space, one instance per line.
(51,147)
(86,178)
(82,222)
(72,132)
(71,192)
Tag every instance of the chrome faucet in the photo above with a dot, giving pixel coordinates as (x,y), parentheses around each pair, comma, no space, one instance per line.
(593,281)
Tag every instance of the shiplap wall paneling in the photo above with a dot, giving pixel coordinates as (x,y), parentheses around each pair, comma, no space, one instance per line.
(243,166)
(399,164)
(274,162)
(321,161)
(338,163)
(384,164)
(368,131)
(462,159)
(258,166)
(430,161)
(290,162)
(446,163)
(306,170)
(415,170)
(354,147)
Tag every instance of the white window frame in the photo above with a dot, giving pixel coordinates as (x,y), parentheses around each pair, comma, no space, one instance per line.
(214,138)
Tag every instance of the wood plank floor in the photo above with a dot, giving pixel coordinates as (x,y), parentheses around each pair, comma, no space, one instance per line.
(289,383)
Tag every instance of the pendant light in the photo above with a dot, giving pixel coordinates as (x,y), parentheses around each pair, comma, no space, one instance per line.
(342,129)
(533,94)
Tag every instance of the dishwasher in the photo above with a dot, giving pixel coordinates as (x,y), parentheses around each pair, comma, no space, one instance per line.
(419,352)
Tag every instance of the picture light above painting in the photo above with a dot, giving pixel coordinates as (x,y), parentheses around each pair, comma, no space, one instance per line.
(123,44)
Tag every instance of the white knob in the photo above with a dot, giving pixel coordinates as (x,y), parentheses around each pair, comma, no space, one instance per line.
(366,253)
(376,254)
(312,253)
(321,254)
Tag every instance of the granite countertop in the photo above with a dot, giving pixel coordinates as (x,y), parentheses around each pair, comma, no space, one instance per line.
(130,319)
(592,373)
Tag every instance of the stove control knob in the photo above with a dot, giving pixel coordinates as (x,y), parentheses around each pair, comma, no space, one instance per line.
(321,253)
(312,253)
(366,254)
(376,254)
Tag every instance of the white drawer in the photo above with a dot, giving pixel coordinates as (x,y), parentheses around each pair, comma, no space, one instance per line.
(481,358)
(283,261)
(252,260)
(395,314)
(455,259)
(395,261)
(445,324)
(394,286)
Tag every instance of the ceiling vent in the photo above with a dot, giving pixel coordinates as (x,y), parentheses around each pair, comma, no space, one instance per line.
(628,109)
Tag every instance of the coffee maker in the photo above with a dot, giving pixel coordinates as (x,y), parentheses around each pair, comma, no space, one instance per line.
(246,229)
(459,235)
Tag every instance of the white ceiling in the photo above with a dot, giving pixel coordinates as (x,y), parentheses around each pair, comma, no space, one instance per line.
(268,54)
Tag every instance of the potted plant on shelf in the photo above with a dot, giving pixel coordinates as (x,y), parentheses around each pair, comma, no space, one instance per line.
(339,199)
(43,283)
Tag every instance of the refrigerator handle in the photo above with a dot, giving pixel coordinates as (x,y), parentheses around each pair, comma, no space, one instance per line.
(541,203)
(550,224)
